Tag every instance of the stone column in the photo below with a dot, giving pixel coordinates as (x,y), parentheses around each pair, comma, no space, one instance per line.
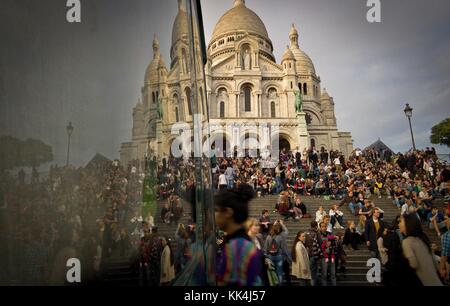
(238,58)
(259,105)
(302,131)
(237,105)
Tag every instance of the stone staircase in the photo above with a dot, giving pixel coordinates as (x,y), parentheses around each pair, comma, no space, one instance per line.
(356,265)
(119,271)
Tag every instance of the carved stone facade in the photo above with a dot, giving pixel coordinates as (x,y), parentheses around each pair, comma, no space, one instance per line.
(244,86)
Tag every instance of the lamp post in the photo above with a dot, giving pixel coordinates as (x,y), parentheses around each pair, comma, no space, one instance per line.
(408,112)
(69,129)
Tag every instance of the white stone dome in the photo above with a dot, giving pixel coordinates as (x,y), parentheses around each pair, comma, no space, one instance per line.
(151,73)
(157,64)
(325,95)
(288,55)
(242,19)
(303,62)
(180,25)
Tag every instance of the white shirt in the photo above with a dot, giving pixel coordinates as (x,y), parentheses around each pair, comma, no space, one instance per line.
(404,209)
(320,215)
(222,179)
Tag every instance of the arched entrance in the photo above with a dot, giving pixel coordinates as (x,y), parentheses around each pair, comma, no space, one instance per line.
(250,145)
(279,143)
(313,143)
(285,144)
(221,145)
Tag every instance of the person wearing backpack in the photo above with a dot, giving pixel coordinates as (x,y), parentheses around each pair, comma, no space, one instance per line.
(313,246)
(275,247)
(329,257)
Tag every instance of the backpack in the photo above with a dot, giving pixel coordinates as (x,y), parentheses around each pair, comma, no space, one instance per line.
(274,247)
(312,245)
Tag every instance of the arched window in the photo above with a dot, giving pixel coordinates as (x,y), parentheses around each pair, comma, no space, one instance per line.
(157,96)
(177,117)
(305,89)
(308,118)
(247,98)
(300,87)
(272,110)
(222,109)
(188,100)
(153,98)
(292,86)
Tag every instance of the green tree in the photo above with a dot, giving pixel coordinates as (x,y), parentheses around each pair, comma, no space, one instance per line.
(17,153)
(440,133)
(35,152)
(9,152)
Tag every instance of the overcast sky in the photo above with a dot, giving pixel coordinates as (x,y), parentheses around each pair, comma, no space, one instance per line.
(52,72)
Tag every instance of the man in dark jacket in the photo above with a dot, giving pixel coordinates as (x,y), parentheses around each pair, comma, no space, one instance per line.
(401,161)
(411,163)
(374,229)
(313,246)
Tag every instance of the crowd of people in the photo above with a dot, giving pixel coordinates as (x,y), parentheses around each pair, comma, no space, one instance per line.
(101,211)
(81,213)
(412,181)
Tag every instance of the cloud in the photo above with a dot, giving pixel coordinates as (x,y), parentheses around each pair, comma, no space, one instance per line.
(52,72)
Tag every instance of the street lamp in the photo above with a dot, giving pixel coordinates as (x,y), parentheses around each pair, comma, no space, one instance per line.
(69,129)
(408,112)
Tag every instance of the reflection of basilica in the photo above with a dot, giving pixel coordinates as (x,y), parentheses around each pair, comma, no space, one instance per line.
(245,87)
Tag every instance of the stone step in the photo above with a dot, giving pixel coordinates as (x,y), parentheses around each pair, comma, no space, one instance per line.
(360,277)
(352,283)
(354,263)
(356,269)
(119,273)
(124,281)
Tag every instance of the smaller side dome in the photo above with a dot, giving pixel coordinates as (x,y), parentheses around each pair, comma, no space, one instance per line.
(325,95)
(152,74)
(288,55)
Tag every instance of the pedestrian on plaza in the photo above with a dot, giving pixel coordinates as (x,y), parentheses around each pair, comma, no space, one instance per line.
(374,229)
(417,249)
(300,260)
(231,214)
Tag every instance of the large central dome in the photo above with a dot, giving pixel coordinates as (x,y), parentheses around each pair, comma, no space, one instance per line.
(242,19)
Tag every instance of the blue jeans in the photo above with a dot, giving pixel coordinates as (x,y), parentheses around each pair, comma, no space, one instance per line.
(353,207)
(230,183)
(398,203)
(279,184)
(328,268)
(337,218)
(277,261)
